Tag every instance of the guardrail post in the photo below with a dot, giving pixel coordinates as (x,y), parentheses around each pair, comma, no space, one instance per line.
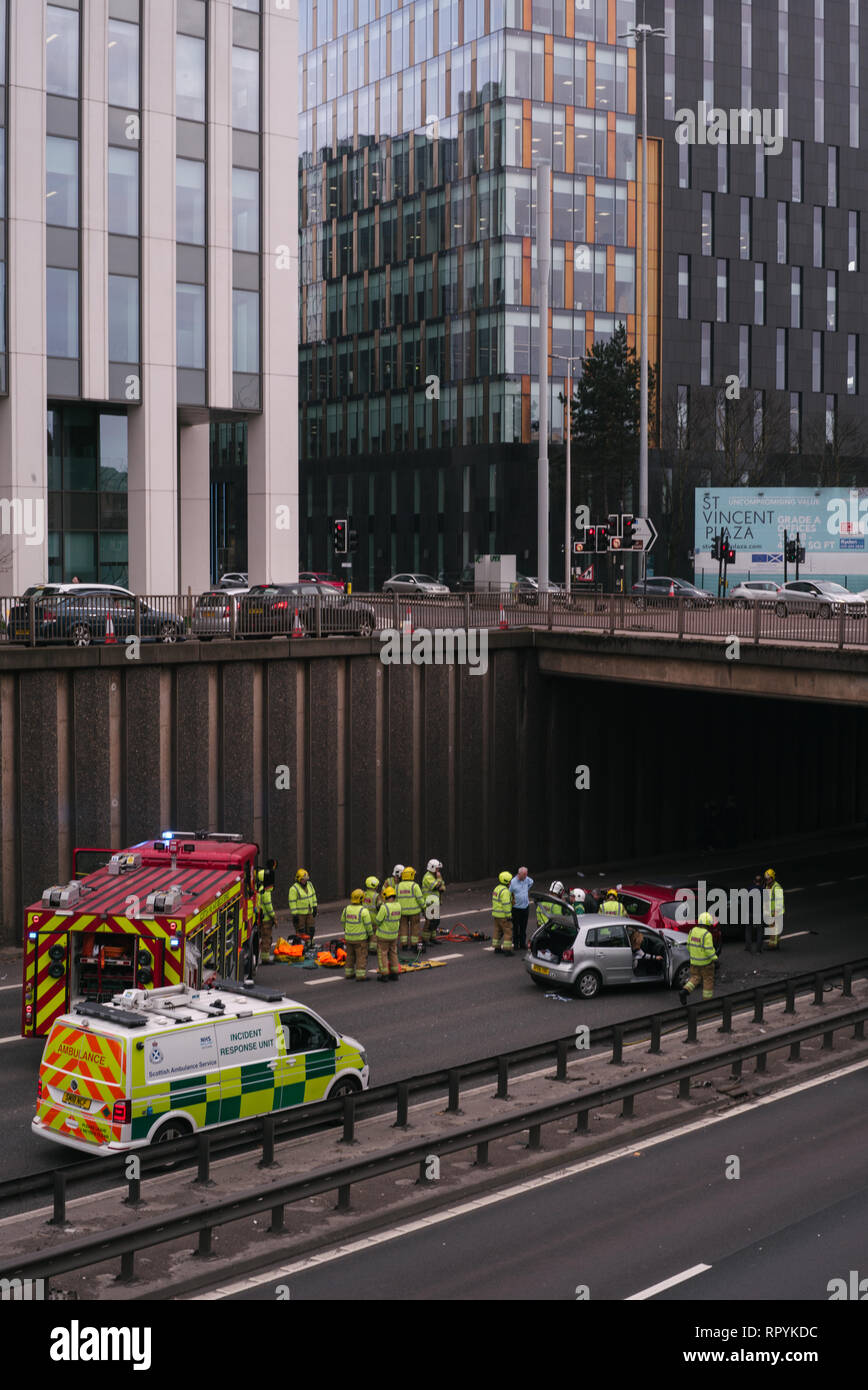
(847,985)
(859,1030)
(31,622)
(655,1034)
(453,1107)
(759,1000)
(582,1122)
(343,1202)
(317,615)
(818,989)
(482,1154)
(617,1045)
(395,624)
(684,1088)
(533,1137)
(726,1021)
(563,1046)
(795,1052)
(277,1226)
(761,1061)
(233,617)
(134,1194)
(691,1024)
(735,1072)
(267,1160)
(403,1106)
(127,1273)
(627,1108)
(466,612)
(349,1134)
(791,998)
(502,1092)
(138,617)
(610,614)
(756,623)
(842,617)
(680,620)
(829,1041)
(59,1216)
(204,1250)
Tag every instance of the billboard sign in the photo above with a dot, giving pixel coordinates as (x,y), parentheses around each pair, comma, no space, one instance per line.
(832,524)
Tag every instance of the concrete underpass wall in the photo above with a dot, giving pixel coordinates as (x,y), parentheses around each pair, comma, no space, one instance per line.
(389,763)
(656,756)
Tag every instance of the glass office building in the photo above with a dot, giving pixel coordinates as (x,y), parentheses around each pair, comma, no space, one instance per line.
(420,128)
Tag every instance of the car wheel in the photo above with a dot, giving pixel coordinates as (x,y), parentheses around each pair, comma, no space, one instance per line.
(169,632)
(682,975)
(588,984)
(81,635)
(780,610)
(345,1087)
(366,629)
(811,612)
(741,603)
(172,1129)
(639,602)
(826,611)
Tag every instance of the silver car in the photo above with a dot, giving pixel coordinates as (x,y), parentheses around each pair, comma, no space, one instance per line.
(423,585)
(819,598)
(761,591)
(213,613)
(587,952)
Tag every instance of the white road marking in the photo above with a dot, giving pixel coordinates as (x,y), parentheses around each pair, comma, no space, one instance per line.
(668,1283)
(828,883)
(471,912)
(456,955)
(788,936)
(795,890)
(2,987)
(332,980)
(849,880)
(519,1190)
(15,1038)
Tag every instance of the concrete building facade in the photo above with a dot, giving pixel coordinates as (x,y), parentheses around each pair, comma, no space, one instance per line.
(148,285)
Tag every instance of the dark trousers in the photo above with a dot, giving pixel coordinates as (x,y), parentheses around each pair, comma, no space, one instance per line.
(519,927)
(754,936)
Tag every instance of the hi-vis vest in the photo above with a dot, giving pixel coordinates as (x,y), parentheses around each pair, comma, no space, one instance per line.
(701,947)
(302,899)
(431,884)
(370,898)
(613,906)
(409,895)
(501,901)
(776,907)
(356,922)
(545,911)
(264,893)
(389,920)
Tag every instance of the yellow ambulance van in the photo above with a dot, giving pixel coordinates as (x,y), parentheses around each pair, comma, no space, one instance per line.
(150,1066)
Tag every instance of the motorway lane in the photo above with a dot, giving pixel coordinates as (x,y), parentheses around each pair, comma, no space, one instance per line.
(478,1003)
(621,1225)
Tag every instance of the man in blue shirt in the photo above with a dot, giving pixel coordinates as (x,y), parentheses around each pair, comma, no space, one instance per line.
(520,889)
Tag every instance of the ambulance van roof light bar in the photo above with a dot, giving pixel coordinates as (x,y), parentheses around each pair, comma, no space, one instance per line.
(267,996)
(110,1015)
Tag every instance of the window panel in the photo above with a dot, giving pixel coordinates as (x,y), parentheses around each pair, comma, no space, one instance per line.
(123,64)
(245,89)
(61,302)
(123,313)
(245,210)
(190,201)
(245,331)
(61,182)
(189,78)
(191,326)
(61,51)
(123,192)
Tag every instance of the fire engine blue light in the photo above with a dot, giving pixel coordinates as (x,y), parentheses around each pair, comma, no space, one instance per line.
(31,936)
(174,941)
(168,834)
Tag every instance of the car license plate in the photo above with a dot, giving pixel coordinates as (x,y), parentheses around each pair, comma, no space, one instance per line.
(540,970)
(74,1099)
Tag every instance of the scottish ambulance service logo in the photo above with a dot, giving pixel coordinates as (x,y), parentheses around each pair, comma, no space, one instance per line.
(156,1054)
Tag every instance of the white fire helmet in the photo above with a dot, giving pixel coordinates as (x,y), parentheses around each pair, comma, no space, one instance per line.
(434,865)
(577,895)
(557,888)
(397,871)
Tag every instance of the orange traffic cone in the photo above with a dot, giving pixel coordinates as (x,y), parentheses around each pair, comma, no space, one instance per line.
(407,624)
(671,590)
(297,628)
(110,630)
(503,624)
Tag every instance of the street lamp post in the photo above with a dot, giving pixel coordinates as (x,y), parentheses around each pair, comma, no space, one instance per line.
(568,432)
(641,33)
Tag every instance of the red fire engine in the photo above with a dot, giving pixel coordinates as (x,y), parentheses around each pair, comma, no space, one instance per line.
(180,909)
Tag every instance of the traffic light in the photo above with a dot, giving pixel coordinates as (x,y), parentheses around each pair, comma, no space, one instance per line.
(354,542)
(791,552)
(602,538)
(729,555)
(581,541)
(800,554)
(628,524)
(614,524)
(717,548)
(340,537)
(591,538)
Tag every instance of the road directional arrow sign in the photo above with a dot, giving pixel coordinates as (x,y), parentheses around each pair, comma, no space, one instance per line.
(644,533)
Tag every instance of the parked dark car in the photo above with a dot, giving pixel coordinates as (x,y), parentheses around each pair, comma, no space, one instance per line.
(662,589)
(81,618)
(268,610)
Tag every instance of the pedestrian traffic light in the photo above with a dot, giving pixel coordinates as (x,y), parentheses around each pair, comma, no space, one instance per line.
(340,537)
(717,549)
(800,554)
(791,552)
(729,555)
(353,542)
(581,540)
(602,538)
(628,524)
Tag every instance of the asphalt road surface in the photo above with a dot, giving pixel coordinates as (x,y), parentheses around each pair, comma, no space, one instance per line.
(478,1003)
(664,1221)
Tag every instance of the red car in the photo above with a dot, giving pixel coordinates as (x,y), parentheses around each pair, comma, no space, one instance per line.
(320,577)
(656,905)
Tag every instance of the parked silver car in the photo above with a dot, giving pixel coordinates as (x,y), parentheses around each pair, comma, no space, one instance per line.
(213,613)
(761,591)
(819,598)
(423,585)
(586,953)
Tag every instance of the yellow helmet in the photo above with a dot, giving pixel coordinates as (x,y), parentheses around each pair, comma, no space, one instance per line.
(705,919)
(505,877)
(372,882)
(356,895)
(770,873)
(302,873)
(408,873)
(612,893)
(388,892)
